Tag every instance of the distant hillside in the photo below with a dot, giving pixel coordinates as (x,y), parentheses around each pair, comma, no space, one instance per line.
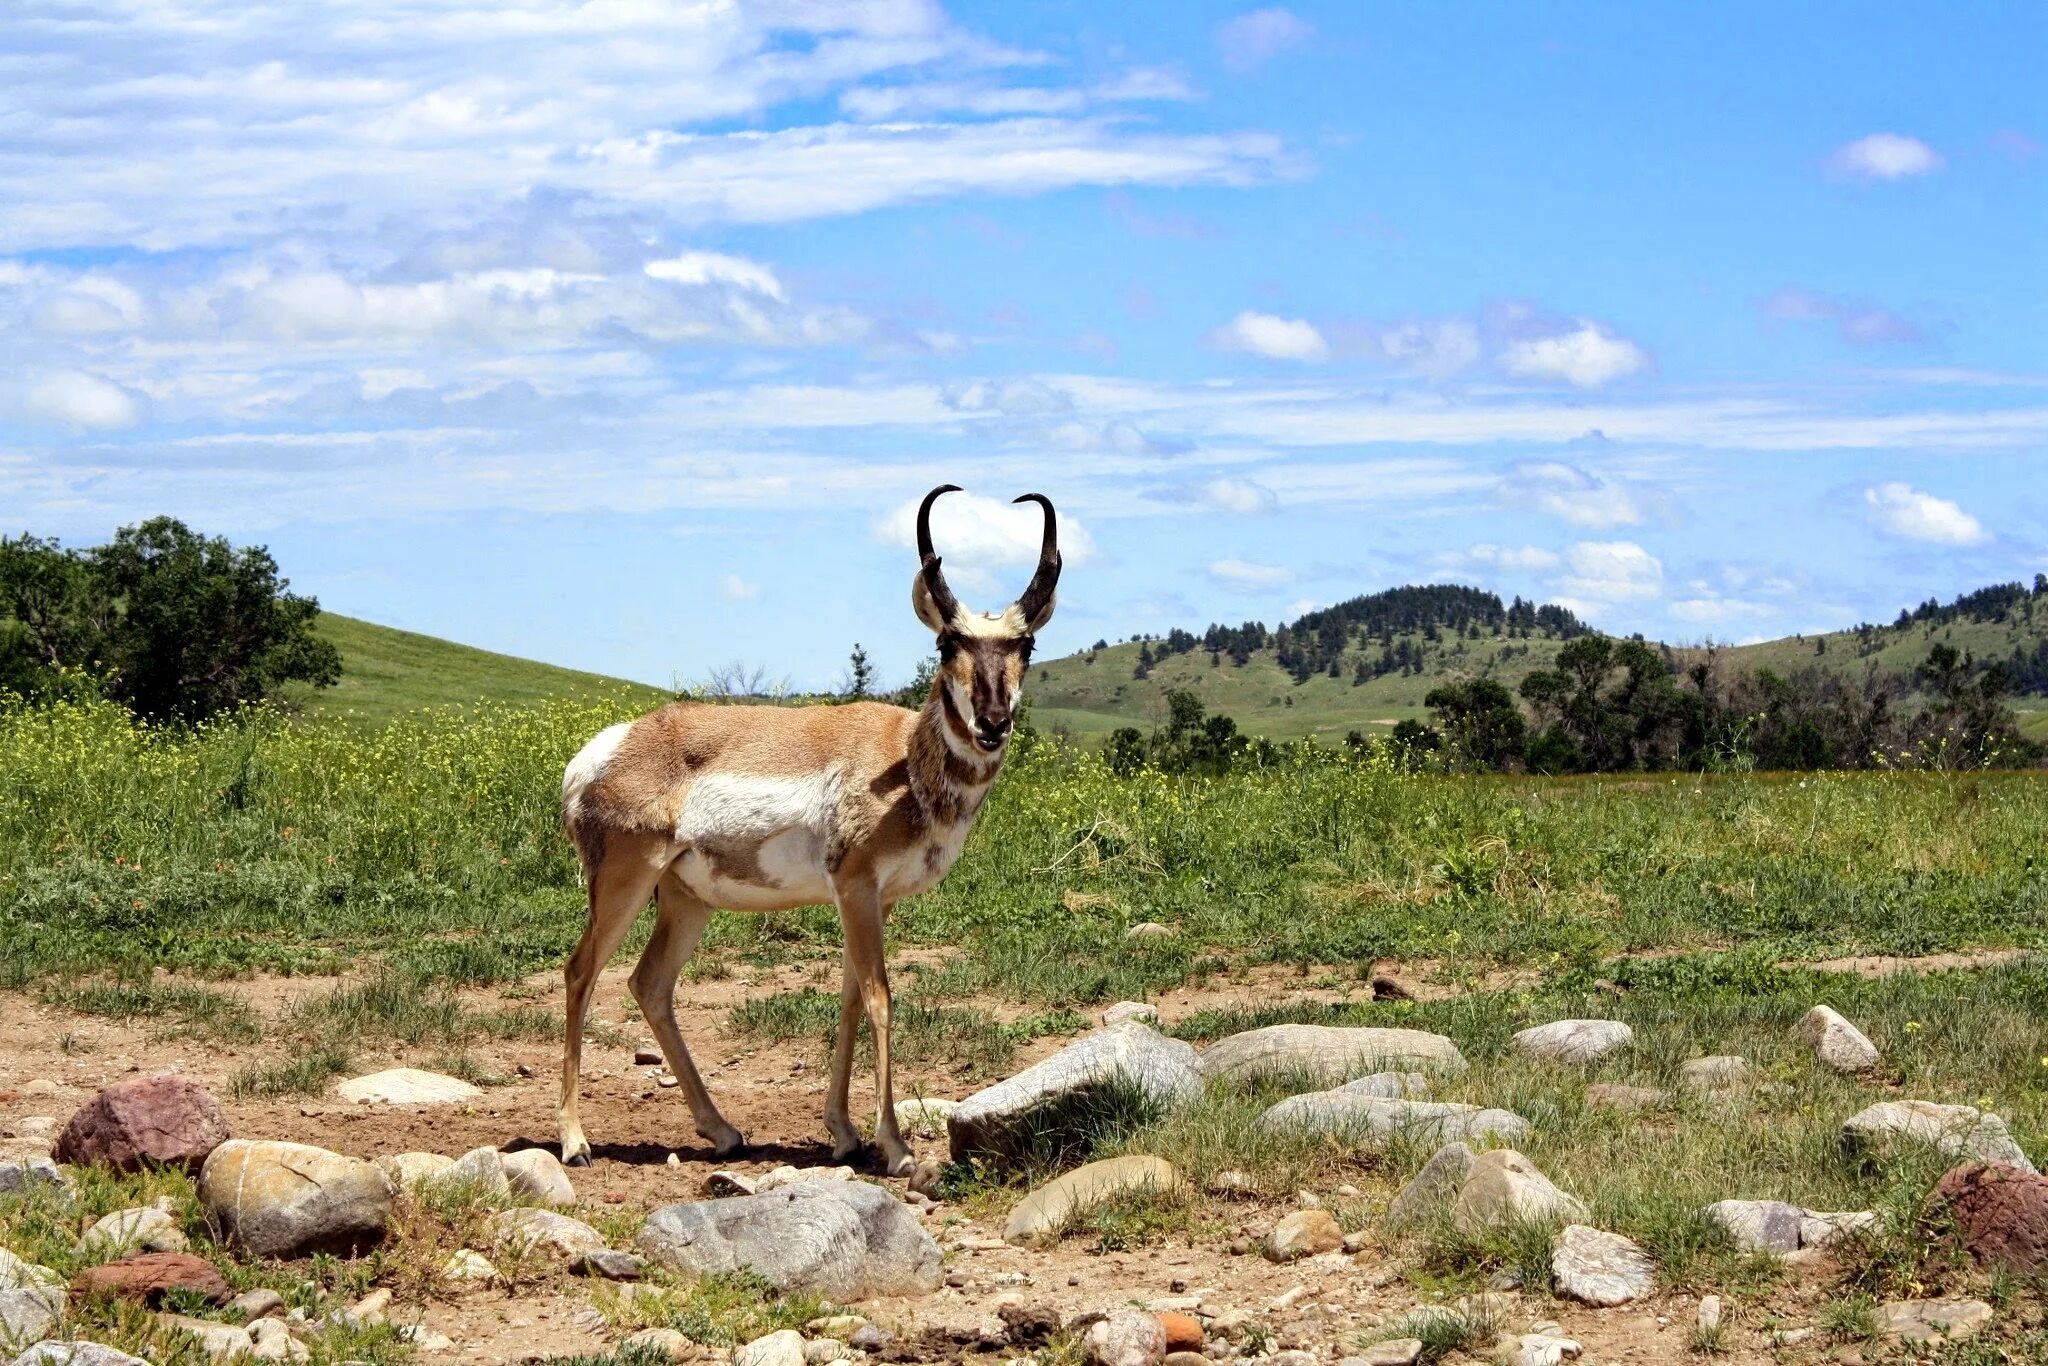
(1369,662)
(385,671)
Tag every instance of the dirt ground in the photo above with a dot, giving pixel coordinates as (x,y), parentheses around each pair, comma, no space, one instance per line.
(775,1094)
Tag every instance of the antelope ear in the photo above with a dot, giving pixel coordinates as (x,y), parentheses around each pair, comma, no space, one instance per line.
(927,610)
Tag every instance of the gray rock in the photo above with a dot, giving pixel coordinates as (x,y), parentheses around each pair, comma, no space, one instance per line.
(1934,1320)
(1952,1130)
(1124,1337)
(261,1303)
(272,1341)
(220,1339)
(536,1174)
(780,1177)
(1149,931)
(1836,1043)
(290,1199)
(1717,1073)
(143,1229)
(609,1265)
(1544,1349)
(29,1313)
(1044,1214)
(922,1117)
(1326,1055)
(721,1184)
(1504,1188)
(1393,1352)
(1599,1268)
(1126,1065)
(407,1086)
(17,1273)
(844,1240)
(782,1348)
(1709,1317)
(1432,1189)
(406,1170)
(54,1353)
(1131,1010)
(18,1175)
(1819,1228)
(1575,1041)
(1758,1225)
(1304,1233)
(480,1171)
(676,1344)
(556,1234)
(1361,1116)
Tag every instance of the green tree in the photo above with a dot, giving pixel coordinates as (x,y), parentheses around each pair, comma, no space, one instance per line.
(177,625)
(860,674)
(1480,722)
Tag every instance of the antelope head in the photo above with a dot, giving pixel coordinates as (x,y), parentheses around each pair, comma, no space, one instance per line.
(983,656)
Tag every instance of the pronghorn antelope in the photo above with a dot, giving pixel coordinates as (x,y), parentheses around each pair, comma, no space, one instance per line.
(768,808)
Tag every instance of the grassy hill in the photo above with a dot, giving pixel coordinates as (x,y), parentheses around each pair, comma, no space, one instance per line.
(1092,693)
(385,671)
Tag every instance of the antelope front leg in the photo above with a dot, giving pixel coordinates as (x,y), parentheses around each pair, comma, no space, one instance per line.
(861,916)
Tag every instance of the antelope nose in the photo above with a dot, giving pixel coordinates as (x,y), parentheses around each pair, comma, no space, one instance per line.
(989,731)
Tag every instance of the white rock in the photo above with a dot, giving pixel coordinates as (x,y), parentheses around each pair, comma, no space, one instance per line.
(1432,1188)
(1600,1268)
(143,1229)
(1541,1349)
(1042,1216)
(464,1265)
(1934,1320)
(1717,1073)
(1361,1115)
(1126,1061)
(274,1342)
(782,1348)
(1836,1043)
(1124,1338)
(1393,1352)
(782,1177)
(1758,1225)
(536,1174)
(846,1240)
(1326,1055)
(407,1086)
(29,1313)
(221,1340)
(17,1273)
(1575,1041)
(555,1233)
(1819,1228)
(287,1200)
(480,1171)
(1149,931)
(1504,1187)
(1710,1313)
(79,1353)
(923,1117)
(1952,1130)
(1131,1010)
(407,1170)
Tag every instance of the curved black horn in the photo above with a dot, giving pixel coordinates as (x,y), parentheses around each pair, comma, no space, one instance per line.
(928,559)
(1038,594)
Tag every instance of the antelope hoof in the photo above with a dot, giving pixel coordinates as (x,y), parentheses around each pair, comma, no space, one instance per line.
(576,1154)
(845,1142)
(903,1164)
(725,1140)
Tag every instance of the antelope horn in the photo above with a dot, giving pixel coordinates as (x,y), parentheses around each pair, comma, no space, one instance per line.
(934,582)
(1037,599)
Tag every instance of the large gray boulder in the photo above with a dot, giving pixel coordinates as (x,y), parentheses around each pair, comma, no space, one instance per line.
(1326,1055)
(289,1199)
(56,1353)
(1958,1131)
(845,1240)
(1503,1188)
(29,1313)
(1432,1189)
(1600,1268)
(1574,1041)
(1758,1225)
(1364,1116)
(1096,1079)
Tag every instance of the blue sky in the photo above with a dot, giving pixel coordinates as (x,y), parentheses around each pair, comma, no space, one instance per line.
(625,334)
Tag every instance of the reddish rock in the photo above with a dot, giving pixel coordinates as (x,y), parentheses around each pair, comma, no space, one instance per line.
(1183,1332)
(149,1276)
(143,1122)
(2000,1214)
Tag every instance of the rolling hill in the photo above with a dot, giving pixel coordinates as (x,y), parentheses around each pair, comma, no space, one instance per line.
(1092,693)
(386,671)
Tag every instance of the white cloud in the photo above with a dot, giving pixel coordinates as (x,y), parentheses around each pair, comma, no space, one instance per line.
(1436,349)
(1859,322)
(733,588)
(1886,156)
(1231,493)
(1573,494)
(1249,41)
(1901,510)
(74,398)
(1719,609)
(1587,357)
(1611,571)
(1263,334)
(1526,559)
(985,541)
(1247,574)
(876,103)
(711,268)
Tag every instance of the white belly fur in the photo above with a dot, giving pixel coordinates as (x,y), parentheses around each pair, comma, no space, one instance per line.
(786,821)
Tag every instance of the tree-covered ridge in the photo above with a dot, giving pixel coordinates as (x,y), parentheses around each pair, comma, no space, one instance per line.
(1375,629)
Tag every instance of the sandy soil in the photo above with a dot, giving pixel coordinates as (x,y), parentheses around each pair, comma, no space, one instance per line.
(775,1094)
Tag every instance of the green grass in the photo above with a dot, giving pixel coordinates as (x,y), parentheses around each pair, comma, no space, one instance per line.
(386,672)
